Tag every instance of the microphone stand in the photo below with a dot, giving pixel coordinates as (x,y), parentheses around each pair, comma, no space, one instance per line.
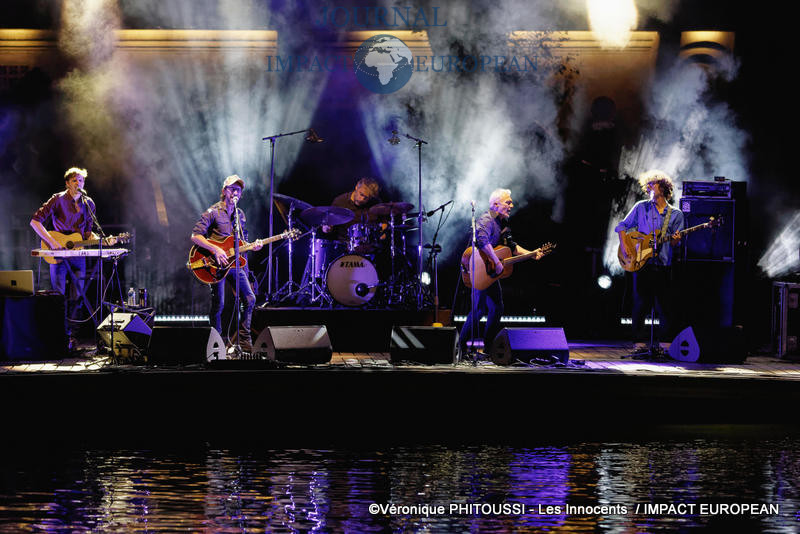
(473,292)
(272,138)
(102,234)
(237,348)
(421,215)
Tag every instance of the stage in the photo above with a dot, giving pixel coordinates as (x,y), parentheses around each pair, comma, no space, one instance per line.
(360,397)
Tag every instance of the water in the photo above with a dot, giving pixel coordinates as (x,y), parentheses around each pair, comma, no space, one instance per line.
(255,489)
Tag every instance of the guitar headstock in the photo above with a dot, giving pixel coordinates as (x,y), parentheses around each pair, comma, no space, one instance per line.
(124,237)
(292,234)
(547,248)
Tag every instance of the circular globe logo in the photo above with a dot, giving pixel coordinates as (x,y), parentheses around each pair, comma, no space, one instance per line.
(383,64)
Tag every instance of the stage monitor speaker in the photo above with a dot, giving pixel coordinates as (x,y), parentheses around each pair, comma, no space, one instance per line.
(130,333)
(525,344)
(715,244)
(709,345)
(294,344)
(424,344)
(185,345)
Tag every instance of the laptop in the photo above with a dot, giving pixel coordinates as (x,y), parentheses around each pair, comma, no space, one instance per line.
(16,283)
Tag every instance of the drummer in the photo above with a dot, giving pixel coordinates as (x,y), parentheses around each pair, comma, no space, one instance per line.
(359,200)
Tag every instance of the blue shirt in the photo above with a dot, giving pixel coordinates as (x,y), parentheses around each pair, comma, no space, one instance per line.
(216,223)
(491,230)
(644,217)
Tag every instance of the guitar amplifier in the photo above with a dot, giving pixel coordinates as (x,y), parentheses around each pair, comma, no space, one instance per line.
(715,244)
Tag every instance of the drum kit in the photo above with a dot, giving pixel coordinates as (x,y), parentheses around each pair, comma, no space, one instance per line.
(370,267)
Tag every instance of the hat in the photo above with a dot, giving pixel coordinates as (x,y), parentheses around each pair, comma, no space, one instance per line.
(233,179)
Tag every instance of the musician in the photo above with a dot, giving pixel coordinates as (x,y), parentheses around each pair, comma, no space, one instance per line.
(491,230)
(218,222)
(652,283)
(363,196)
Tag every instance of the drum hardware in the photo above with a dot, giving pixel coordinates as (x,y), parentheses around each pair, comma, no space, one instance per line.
(326,216)
(290,288)
(352,280)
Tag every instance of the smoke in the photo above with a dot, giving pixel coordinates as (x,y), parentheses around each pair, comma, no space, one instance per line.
(688,134)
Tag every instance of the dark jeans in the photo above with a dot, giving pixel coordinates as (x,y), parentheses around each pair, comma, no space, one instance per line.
(490,304)
(58,280)
(652,287)
(246,296)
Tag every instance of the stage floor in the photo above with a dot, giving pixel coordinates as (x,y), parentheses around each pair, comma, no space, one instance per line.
(585,357)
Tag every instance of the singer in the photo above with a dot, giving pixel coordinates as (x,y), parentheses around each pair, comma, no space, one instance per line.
(218,222)
(491,229)
(652,284)
(69,212)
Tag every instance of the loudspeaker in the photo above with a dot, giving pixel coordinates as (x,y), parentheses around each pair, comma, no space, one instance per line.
(130,331)
(424,344)
(32,328)
(294,344)
(709,244)
(185,345)
(709,345)
(524,344)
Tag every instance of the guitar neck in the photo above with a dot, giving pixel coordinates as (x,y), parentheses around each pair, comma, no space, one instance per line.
(665,238)
(261,242)
(521,257)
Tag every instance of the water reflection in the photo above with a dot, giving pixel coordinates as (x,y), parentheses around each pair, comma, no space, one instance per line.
(263,490)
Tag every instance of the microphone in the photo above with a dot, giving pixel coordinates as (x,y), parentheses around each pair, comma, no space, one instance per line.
(83,192)
(472,202)
(652,195)
(430,213)
(394,140)
(312,136)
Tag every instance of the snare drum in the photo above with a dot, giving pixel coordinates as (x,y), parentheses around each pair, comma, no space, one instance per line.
(352,280)
(363,238)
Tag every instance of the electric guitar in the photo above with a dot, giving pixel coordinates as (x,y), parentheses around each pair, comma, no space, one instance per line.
(75,241)
(204,265)
(639,246)
(485,268)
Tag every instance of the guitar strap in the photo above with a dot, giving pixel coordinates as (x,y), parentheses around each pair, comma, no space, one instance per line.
(666,221)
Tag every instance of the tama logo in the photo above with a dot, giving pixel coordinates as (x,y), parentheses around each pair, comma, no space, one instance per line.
(351,264)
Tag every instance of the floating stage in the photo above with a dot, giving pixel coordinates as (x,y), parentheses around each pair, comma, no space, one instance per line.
(359,397)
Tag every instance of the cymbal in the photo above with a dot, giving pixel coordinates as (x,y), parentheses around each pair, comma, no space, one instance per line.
(326,215)
(390,208)
(285,202)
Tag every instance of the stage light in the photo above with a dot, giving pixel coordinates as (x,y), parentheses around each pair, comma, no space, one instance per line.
(783,255)
(612,21)
(425,278)
(604,281)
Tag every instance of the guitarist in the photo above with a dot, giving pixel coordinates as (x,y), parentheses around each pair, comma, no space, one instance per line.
(652,283)
(491,229)
(218,222)
(69,211)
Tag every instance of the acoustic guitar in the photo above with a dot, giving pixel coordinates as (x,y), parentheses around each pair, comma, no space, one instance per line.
(639,246)
(485,267)
(204,265)
(76,241)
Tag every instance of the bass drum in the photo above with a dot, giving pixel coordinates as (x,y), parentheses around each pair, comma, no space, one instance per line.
(352,280)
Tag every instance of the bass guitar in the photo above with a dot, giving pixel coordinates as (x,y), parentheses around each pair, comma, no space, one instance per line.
(485,268)
(639,246)
(204,265)
(76,241)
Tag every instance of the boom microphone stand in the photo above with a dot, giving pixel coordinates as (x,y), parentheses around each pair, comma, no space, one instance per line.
(312,137)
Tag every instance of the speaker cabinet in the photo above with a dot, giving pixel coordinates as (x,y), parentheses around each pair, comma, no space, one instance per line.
(714,244)
(130,332)
(424,344)
(32,328)
(294,344)
(709,345)
(511,344)
(185,345)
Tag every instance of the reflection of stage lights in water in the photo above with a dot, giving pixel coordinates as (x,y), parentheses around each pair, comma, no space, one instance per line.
(425,278)
(604,281)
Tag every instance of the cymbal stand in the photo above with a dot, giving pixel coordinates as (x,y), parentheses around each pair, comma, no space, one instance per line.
(290,288)
(310,285)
